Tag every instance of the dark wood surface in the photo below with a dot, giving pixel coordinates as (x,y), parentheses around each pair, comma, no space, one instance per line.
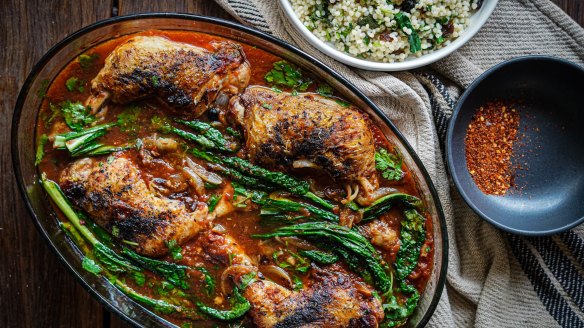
(35,289)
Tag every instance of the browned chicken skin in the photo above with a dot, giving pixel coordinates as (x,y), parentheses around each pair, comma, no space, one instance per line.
(284,131)
(114,193)
(181,74)
(330,298)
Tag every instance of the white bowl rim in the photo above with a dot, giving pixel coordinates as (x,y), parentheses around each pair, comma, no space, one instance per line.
(477,21)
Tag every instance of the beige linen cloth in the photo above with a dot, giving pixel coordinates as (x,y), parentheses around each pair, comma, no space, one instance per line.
(494,279)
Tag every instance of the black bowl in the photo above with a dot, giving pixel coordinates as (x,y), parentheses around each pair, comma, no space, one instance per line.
(548,196)
(23,148)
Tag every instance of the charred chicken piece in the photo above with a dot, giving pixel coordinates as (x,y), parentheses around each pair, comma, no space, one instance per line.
(330,298)
(284,131)
(115,194)
(180,74)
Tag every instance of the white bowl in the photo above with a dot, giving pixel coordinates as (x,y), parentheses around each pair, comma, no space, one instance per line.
(477,20)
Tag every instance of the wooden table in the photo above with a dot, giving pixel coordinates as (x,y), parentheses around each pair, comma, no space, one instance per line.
(35,289)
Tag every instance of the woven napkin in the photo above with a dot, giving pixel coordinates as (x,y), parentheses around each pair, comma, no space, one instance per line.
(494,279)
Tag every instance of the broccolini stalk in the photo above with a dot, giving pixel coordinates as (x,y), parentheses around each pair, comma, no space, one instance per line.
(209,132)
(354,245)
(174,273)
(279,179)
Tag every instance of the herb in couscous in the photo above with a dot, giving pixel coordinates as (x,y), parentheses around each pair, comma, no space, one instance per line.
(386,30)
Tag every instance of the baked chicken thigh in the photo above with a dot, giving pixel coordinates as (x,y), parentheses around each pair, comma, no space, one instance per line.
(180,74)
(285,131)
(330,298)
(114,194)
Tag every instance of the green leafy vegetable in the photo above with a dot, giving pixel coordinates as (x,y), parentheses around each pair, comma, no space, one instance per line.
(389,165)
(385,203)
(355,248)
(212,202)
(111,260)
(279,179)
(174,249)
(128,119)
(287,75)
(89,265)
(321,12)
(158,305)
(86,61)
(412,237)
(403,22)
(161,124)
(76,115)
(174,273)
(300,264)
(324,90)
(139,278)
(234,133)
(209,281)
(296,283)
(319,256)
(239,306)
(368,20)
(74,84)
(40,151)
(342,103)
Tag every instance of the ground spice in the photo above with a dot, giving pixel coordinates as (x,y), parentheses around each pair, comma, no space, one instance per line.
(489,146)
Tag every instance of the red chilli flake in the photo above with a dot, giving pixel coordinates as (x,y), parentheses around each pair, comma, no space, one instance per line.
(489,145)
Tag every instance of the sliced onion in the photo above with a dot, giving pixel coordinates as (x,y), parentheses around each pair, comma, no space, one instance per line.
(230,272)
(300,163)
(222,100)
(203,173)
(195,181)
(219,229)
(223,208)
(276,271)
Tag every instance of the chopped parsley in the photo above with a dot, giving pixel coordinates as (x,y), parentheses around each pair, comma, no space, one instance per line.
(174,249)
(86,61)
(74,84)
(40,152)
(288,75)
(139,278)
(296,283)
(128,119)
(389,165)
(76,115)
(324,90)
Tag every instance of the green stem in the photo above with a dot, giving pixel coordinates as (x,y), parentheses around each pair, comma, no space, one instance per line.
(57,196)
